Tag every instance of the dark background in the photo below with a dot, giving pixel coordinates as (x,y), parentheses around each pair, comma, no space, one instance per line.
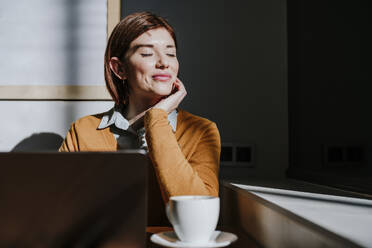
(329,77)
(232,58)
(293,78)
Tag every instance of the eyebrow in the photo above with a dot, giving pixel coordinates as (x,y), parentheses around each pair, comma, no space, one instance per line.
(148,45)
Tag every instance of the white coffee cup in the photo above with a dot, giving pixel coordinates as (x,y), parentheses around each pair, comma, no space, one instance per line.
(194,218)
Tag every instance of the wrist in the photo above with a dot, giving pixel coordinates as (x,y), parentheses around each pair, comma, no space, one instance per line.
(154,115)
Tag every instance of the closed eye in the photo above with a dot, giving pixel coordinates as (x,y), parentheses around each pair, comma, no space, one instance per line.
(146,54)
(171,55)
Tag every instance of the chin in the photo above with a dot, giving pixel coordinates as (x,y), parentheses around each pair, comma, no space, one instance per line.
(162,90)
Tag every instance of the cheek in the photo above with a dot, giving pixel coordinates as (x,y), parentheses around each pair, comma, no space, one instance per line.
(141,70)
(175,67)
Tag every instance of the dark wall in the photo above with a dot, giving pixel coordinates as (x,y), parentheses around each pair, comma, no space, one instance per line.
(330,83)
(233,63)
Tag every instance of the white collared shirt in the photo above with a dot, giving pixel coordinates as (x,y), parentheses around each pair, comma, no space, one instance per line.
(126,136)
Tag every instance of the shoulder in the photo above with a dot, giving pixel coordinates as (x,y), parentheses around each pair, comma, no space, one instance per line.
(85,135)
(89,121)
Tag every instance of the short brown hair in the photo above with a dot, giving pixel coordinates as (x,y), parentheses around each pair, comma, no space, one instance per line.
(118,44)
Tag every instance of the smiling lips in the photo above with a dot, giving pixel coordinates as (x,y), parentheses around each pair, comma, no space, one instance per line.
(162,77)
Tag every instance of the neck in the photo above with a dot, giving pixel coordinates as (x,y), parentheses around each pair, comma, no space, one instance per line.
(137,107)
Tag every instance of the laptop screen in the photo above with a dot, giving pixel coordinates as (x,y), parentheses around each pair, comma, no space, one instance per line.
(73,199)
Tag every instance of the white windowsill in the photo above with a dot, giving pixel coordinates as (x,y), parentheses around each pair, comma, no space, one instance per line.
(348,217)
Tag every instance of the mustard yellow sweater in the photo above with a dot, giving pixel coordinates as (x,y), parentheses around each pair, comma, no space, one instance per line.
(185,162)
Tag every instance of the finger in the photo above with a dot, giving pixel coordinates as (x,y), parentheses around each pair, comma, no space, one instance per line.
(181,85)
(179,82)
(183,89)
(176,88)
(176,85)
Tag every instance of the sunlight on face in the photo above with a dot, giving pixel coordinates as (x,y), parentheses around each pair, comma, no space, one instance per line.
(152,64)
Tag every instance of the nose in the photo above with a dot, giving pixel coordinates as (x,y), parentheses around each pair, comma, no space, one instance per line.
(162,62)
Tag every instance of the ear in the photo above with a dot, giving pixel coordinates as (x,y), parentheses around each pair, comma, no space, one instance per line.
(117,68)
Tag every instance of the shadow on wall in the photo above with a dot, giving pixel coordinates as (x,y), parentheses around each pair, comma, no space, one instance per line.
(39,142)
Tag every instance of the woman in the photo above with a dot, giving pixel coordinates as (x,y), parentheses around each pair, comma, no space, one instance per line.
(141,70)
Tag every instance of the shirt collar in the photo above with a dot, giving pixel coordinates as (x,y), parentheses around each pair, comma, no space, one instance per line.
(114,117)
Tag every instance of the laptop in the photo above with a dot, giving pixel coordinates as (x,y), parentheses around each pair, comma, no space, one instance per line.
(94,199)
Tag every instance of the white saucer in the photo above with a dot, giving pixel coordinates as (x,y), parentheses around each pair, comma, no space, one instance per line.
(170,239)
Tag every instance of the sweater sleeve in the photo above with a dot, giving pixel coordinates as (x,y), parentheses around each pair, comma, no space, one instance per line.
(70,143)
(178,175)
